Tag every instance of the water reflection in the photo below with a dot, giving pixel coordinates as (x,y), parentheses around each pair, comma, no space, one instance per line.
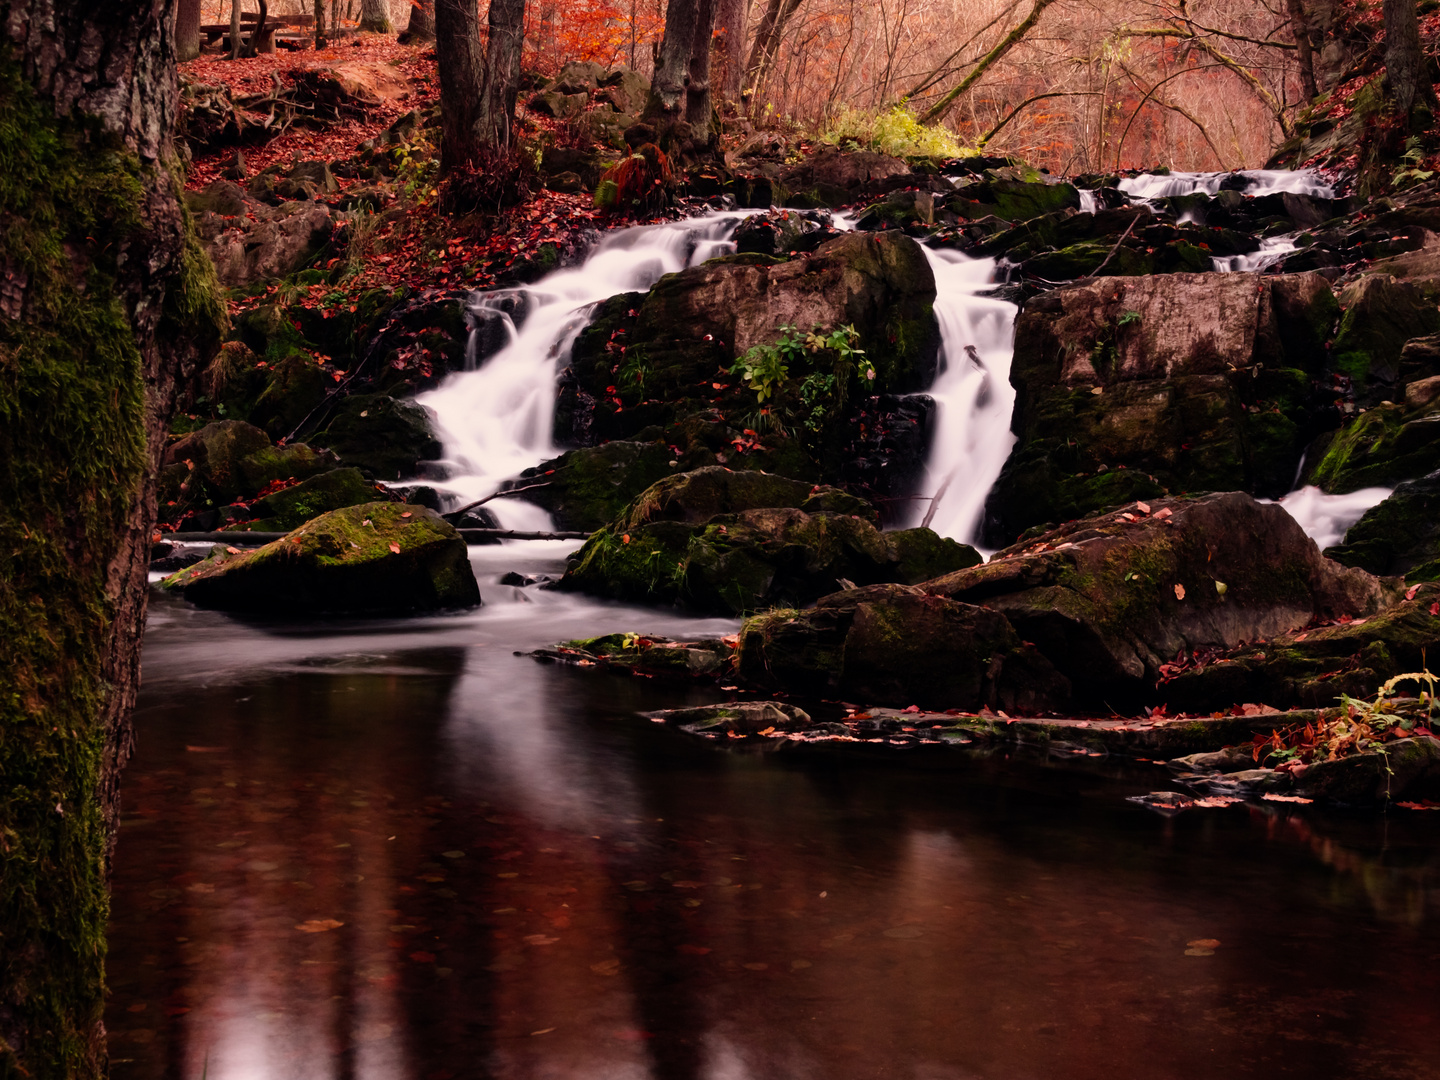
(404,852)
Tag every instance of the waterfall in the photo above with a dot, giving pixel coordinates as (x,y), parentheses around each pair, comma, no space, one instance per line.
(497,419)
(1253,182)
(973,395)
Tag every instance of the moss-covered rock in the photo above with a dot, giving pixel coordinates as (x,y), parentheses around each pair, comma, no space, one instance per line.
(372,559)
(231,460)
(1381,447)
(382,435)
(1083,259)
(1381,315)
(1114,597)
(1133,387)
(293,506)
(898,645)
(586,489)
(1399,536)
(736,542)
(1313,667)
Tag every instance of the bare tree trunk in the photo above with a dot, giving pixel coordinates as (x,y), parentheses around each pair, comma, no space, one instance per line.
(1008,42)
(422,23)
(319,24)
(699,106)
(767,44)
(375,16)
(1304,53)
(187,29)
(1404,59)
(502,71)
(672,73)
(477,92)
(105,299)
(730,19)
(235,29)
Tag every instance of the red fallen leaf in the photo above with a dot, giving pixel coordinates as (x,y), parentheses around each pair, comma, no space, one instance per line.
(1410,592)
(911,709)
(1426,805)
(406,514)
(693,950)
(394,548)
(1435,608)
(1301,637)
(1144,508)
(423,957)
(625,539)
(1164,513)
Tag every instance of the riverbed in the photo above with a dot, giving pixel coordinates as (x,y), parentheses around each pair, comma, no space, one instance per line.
(400,850)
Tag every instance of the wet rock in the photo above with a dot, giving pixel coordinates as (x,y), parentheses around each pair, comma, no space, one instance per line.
(1381,447)
(1112,598)
(1311,666)
(1408,769)
(1131,387)
(738,717)
(380,434)
(694,324)
(230,460)
(251,242)
(848,174)
(293,506)
(587,488)
(1012,199)
(1381,315)
(1399,536)
(646,654)
(376,558)
(559,105)
(626,90)
(899,209)
(783,232)
(736,542)
(898,645)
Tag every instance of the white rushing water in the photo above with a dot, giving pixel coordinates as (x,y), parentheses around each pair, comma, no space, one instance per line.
(1149,186)
(1327,518)
(973,395)
(497,420)
(1272,250)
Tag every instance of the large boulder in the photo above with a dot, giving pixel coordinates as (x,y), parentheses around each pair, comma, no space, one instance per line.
(385,436)
(833,177)
(250,242)
(1311,666)
(375,558)
(1114,597)
(1381,315)
(230,460)
(737,542)
(694,324)
(1400,535)
(291,507)
(1135,387)
(586,489)
(1380,447)
(899,645)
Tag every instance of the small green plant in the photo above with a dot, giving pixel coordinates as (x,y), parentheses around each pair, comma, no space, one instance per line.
(894,131)
(1130,318)
(1411,172)
(635,371)
(765,368)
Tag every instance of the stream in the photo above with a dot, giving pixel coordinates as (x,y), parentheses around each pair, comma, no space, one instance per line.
(402,850)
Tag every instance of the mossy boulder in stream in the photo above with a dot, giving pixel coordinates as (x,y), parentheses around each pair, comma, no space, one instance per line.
(585,489)
(382,435)
(898,645)
(230,460)
(291,507)
(1381,447)
(1381,315)
(1399,536)
(371,559)
(1115,597)
(736,542)
(1135,387)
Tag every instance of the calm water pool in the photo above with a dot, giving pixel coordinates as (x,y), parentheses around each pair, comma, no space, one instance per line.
(399,851)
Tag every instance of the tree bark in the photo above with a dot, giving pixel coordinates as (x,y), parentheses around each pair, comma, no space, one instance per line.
(699,104)
(1404,59)
(422,22)
(477,90)
(105,302)
(667,102)
(235,6)
(767,44)
(375,16)
(1009,41)
(187,30)
(730,19)
(1304,51)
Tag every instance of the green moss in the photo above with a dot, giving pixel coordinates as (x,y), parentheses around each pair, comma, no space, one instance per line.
(73,458)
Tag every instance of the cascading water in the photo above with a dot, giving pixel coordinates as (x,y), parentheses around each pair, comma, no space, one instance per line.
(1254,182)
(973,395)
(1327,518)
(496,421)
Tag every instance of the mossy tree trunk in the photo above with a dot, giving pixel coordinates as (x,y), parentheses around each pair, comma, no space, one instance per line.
(375,16)
(1405,72)
(478,85)
(106,302)
(680,90)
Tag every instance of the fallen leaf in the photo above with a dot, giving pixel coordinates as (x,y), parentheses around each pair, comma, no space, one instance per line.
(625,539)
(319,926)
(1144,508)
(1269,797)
(405,515)
(1410,592)
(394,548)
(1221,588)
(1179,592)
(1163,513)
